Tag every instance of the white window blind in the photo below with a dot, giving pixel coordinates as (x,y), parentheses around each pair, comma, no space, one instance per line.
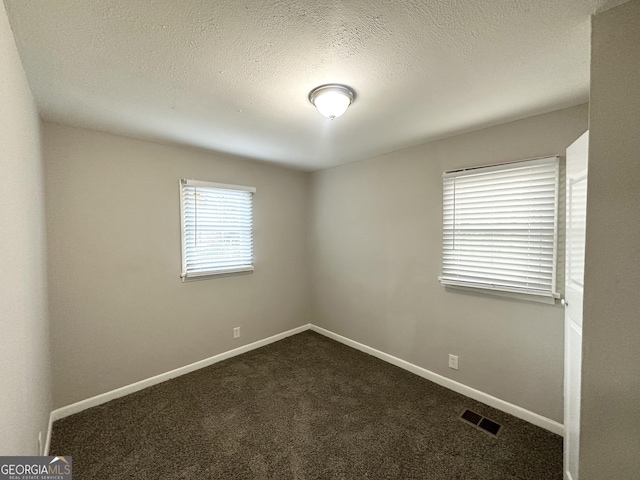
(500,227)
(217,228)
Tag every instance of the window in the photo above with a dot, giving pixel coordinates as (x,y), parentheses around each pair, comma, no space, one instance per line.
(500,227)
(217,228)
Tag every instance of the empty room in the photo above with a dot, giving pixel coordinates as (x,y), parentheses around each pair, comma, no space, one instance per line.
(309,240)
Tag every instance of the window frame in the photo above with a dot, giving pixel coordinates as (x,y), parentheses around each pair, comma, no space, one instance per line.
(187,276)
(549,296)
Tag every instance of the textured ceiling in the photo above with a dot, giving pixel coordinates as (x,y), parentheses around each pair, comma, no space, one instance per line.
(233,75)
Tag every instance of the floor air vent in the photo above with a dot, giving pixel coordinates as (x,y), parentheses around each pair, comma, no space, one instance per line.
(481,423)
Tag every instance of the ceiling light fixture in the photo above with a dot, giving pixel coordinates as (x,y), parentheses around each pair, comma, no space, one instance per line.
(332,99)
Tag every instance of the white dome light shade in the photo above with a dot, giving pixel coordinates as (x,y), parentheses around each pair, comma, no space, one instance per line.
(332,100)
(331,104)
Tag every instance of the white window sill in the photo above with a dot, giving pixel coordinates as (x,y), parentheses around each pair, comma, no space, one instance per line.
(216,274)
(549,299)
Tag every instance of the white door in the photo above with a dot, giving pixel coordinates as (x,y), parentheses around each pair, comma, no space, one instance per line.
(576,213)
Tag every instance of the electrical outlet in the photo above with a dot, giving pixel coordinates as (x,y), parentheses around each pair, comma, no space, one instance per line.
(40,450)
(453,361)
(236,332)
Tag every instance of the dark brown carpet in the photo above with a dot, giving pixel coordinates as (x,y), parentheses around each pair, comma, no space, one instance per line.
(306,407)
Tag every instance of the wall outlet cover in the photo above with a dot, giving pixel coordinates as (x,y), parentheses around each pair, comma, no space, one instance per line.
(453,361)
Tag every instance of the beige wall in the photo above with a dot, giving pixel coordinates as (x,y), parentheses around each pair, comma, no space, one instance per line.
(610,421)
(119,311)
(375,231)
(25,400)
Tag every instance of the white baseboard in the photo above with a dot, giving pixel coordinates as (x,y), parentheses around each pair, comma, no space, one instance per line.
(490,400)
(47,442)
(163,377)
(485,398)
